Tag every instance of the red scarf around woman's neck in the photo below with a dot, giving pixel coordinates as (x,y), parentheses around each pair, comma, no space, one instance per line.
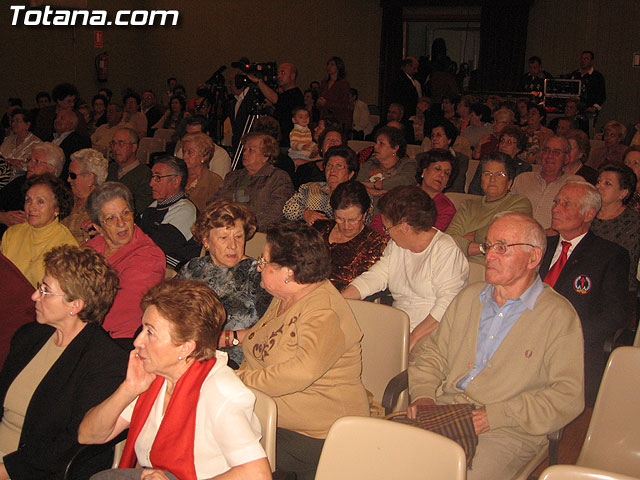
(172,449)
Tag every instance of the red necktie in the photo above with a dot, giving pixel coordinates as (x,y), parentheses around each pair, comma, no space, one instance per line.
(554,272)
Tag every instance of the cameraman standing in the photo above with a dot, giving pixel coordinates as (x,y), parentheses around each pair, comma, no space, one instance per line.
(285,101)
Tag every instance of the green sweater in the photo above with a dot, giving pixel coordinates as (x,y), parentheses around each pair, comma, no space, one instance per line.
(475,216)
(532,385)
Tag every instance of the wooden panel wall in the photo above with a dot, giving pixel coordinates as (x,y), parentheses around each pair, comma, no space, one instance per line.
(210,33)
(560,30)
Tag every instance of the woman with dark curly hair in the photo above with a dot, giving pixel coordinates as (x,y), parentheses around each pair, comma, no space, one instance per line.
(616,221)
(47,201)
(389,167)
(305,351)
(223,228)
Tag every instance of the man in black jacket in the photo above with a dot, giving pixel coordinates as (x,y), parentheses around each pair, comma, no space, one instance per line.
(591,272)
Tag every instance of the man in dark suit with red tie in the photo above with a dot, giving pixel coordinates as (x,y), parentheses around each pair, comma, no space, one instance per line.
(591,272)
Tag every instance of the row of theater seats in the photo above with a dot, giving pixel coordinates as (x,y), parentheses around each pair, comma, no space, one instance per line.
(354,445)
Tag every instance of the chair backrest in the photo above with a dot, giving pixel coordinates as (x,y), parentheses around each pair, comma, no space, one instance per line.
(165,133)
(573,472)
(359,145)
(149,145)
(458,198)
(253,247)
(613,441)
(413,150)
(372,448)
(385,345)
(636,340)
(462,145)
(471,171)
(595,144)
(476,272)
(267,413)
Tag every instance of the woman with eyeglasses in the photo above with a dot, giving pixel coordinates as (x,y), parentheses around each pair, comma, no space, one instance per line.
(47,201)
(311,202)
(139,262)
(422,266)
(305,351)
(59,366)
(88,169)
(471,221)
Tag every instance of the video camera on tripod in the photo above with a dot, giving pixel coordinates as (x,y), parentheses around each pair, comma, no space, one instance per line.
(267,72)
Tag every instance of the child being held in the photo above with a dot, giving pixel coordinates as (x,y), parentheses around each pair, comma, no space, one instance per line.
(300,140)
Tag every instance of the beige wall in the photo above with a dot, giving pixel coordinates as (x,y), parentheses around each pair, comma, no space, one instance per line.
(210,34)
(560,30)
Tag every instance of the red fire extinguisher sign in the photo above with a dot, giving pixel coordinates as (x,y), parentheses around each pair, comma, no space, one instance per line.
(98,40)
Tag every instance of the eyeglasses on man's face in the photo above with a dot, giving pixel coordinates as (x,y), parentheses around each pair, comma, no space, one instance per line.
(499,247)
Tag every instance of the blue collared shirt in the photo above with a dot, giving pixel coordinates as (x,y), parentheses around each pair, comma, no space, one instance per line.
(496,322)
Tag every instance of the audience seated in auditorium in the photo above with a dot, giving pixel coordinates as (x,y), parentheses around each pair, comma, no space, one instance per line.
(311,202)
(479,125)
(580,148)
(128,170)
(270,126)
(220,161)
(139,262)
(169,218)
(613,150)
(305,352)
(133,115)
(151,109)
(103,135)
(502,118)
(632,160)
(512,142)
(522,375)
(311,171)
(45,158)
(473,217)
(88,170)
(443,136)
(202,183)
(223,229)
(615,221)
(389,167)
(595,279)
(541,187)
(67,138)
(422,267)
(99,104)
(47,201)
(64,97)
(59,367)
(537,133)
(173,115)
(261,186)
(16,148)
(353,246)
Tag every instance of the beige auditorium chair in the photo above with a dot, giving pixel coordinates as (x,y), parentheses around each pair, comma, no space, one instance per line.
(359,145)
(476,273)
(613,438)
(365,448)
(572,472)
(385,346)
(413,150)
(147,146)
(471,171)
(458,198)
(165,133)
(267,413)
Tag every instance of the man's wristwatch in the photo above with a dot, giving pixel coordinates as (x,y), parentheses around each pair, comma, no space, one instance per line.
(235,342)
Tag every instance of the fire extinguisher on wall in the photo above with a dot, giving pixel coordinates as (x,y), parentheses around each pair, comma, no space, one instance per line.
(102,66)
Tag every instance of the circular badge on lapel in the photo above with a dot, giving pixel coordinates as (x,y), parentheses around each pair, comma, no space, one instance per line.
(582,284)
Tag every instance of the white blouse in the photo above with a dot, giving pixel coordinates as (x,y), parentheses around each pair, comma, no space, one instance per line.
(227,431)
